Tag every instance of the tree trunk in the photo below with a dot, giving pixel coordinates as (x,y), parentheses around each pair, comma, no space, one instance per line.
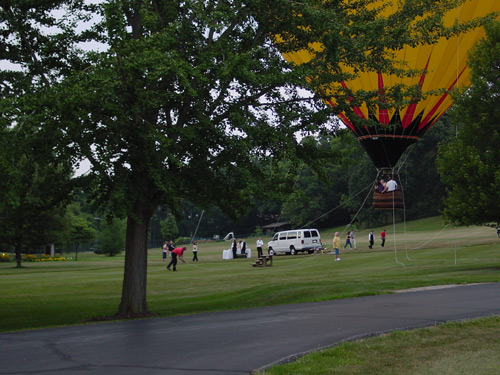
(18,253)
(133,303)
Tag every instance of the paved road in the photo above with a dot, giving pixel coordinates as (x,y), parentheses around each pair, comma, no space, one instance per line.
(234,342)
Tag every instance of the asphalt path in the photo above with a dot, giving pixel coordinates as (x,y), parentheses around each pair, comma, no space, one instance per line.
(235,342)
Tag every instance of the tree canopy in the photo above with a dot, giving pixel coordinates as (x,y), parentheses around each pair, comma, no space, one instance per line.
(39,48)
(468,165)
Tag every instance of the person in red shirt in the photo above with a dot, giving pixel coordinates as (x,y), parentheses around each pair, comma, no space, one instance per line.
(382,236)
(177,252)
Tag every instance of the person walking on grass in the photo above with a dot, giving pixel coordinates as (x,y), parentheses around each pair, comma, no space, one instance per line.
(348,240)
(177,252)
(336,245)
(195,251)
(371,239)
(353,240)
(170,248)
(382,237)
(164,250)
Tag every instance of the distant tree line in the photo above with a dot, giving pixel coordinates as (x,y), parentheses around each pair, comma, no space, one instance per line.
(331,197)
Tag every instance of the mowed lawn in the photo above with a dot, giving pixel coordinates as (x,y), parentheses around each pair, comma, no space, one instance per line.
(455,348)
(420,253)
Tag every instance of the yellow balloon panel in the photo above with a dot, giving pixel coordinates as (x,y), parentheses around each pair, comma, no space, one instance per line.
(444,63)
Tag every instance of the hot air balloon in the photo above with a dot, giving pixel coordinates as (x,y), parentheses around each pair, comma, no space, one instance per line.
(443,66)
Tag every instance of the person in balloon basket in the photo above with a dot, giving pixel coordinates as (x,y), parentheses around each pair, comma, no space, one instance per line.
(336,245)
(380,186)
(382,237)
(391,185)
(177,252)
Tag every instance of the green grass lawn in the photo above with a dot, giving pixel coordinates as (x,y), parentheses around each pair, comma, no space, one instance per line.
(456,348)
(420,253)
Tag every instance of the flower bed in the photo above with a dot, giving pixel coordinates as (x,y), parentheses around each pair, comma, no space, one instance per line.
(42,258)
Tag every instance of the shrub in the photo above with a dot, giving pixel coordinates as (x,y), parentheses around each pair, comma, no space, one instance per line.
(112,237)
(182,240)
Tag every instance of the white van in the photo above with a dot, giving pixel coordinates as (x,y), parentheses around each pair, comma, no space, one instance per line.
(295,240)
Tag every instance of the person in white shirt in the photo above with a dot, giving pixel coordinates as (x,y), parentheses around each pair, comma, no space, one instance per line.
(195,251)
(391,185)
(353,240)
(259,244)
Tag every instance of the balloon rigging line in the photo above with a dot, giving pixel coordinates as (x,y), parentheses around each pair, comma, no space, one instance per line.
(404,212)
(360,207)
(196,230)
(403,162)
(405,229)
(404,158)
(340,205)
(394,231)
(432,239)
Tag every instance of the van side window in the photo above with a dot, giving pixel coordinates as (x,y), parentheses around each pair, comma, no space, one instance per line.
(275,237)
(292,235)
(283,236)
(307,234)
(315,233)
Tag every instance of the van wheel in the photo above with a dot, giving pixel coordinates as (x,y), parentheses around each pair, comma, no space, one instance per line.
(270,251)
(292,250)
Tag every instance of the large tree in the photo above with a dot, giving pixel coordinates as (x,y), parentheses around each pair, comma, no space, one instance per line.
(191,96)
(187,99)
(38,47)
(35,190)
(469,164)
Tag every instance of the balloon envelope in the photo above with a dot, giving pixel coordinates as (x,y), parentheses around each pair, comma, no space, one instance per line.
(444,65)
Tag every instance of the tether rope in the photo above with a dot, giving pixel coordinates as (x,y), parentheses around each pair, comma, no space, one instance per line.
(197,226)
(394,231)
(432,239)
(340,205)
(360,207)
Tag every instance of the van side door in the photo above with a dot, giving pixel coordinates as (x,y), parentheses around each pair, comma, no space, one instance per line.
(282,242)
